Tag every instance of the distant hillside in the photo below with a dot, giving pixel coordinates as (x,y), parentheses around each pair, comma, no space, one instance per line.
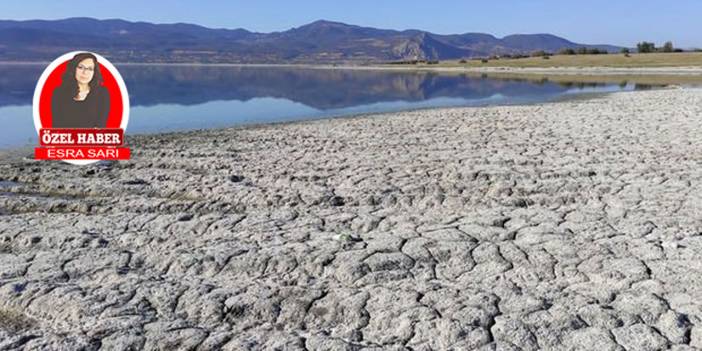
(317,42)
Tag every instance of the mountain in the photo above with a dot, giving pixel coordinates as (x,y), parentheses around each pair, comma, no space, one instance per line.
(547,42)
(316,42)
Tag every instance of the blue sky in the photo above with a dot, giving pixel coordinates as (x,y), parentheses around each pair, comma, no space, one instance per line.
(618,22)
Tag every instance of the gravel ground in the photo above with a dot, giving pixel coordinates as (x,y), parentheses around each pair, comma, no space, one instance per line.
(573,225)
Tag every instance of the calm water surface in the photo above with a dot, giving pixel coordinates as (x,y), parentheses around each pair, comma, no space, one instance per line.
(169,98)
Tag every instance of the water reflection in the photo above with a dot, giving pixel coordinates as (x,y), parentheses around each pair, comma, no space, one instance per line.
(188,97)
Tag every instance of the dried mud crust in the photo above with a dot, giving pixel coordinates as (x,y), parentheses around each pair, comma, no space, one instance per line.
(572,225)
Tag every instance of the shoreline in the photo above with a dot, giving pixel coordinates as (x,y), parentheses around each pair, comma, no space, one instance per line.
(585,70)
(14,154)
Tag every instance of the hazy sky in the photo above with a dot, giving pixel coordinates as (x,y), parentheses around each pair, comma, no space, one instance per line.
(618,22)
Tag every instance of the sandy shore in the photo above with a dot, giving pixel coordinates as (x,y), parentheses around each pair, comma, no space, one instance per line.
(587,71)
(576,71)
(569,225)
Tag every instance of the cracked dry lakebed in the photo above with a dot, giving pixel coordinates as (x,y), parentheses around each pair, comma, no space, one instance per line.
(573,225)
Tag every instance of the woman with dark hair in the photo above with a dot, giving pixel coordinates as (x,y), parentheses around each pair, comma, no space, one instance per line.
(81,101)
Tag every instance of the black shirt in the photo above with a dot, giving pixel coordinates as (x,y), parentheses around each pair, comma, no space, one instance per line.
(89,113)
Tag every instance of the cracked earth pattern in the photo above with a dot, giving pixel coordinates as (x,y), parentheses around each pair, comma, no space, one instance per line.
(565,226)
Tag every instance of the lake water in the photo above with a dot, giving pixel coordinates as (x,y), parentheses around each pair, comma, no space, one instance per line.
(169,98)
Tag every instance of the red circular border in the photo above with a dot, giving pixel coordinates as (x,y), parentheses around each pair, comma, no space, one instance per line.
(53,81)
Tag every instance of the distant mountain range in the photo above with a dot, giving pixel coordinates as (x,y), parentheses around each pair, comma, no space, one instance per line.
(317,42)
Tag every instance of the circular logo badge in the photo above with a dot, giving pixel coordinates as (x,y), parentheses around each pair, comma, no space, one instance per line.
(81,110)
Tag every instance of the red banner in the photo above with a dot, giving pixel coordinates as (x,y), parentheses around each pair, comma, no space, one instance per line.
(81,153)
(81,137)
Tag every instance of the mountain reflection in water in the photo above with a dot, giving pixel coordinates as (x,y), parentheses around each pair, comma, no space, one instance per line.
(173,97)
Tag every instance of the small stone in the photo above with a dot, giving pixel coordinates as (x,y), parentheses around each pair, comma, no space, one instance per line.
(500,222)
(105,164)
(19,287)
(349,238)
(521,202)
(236,178)
(136,181)
(337,201)
(185,217)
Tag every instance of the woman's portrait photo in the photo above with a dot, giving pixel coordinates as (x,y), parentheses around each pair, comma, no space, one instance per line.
(81,101)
